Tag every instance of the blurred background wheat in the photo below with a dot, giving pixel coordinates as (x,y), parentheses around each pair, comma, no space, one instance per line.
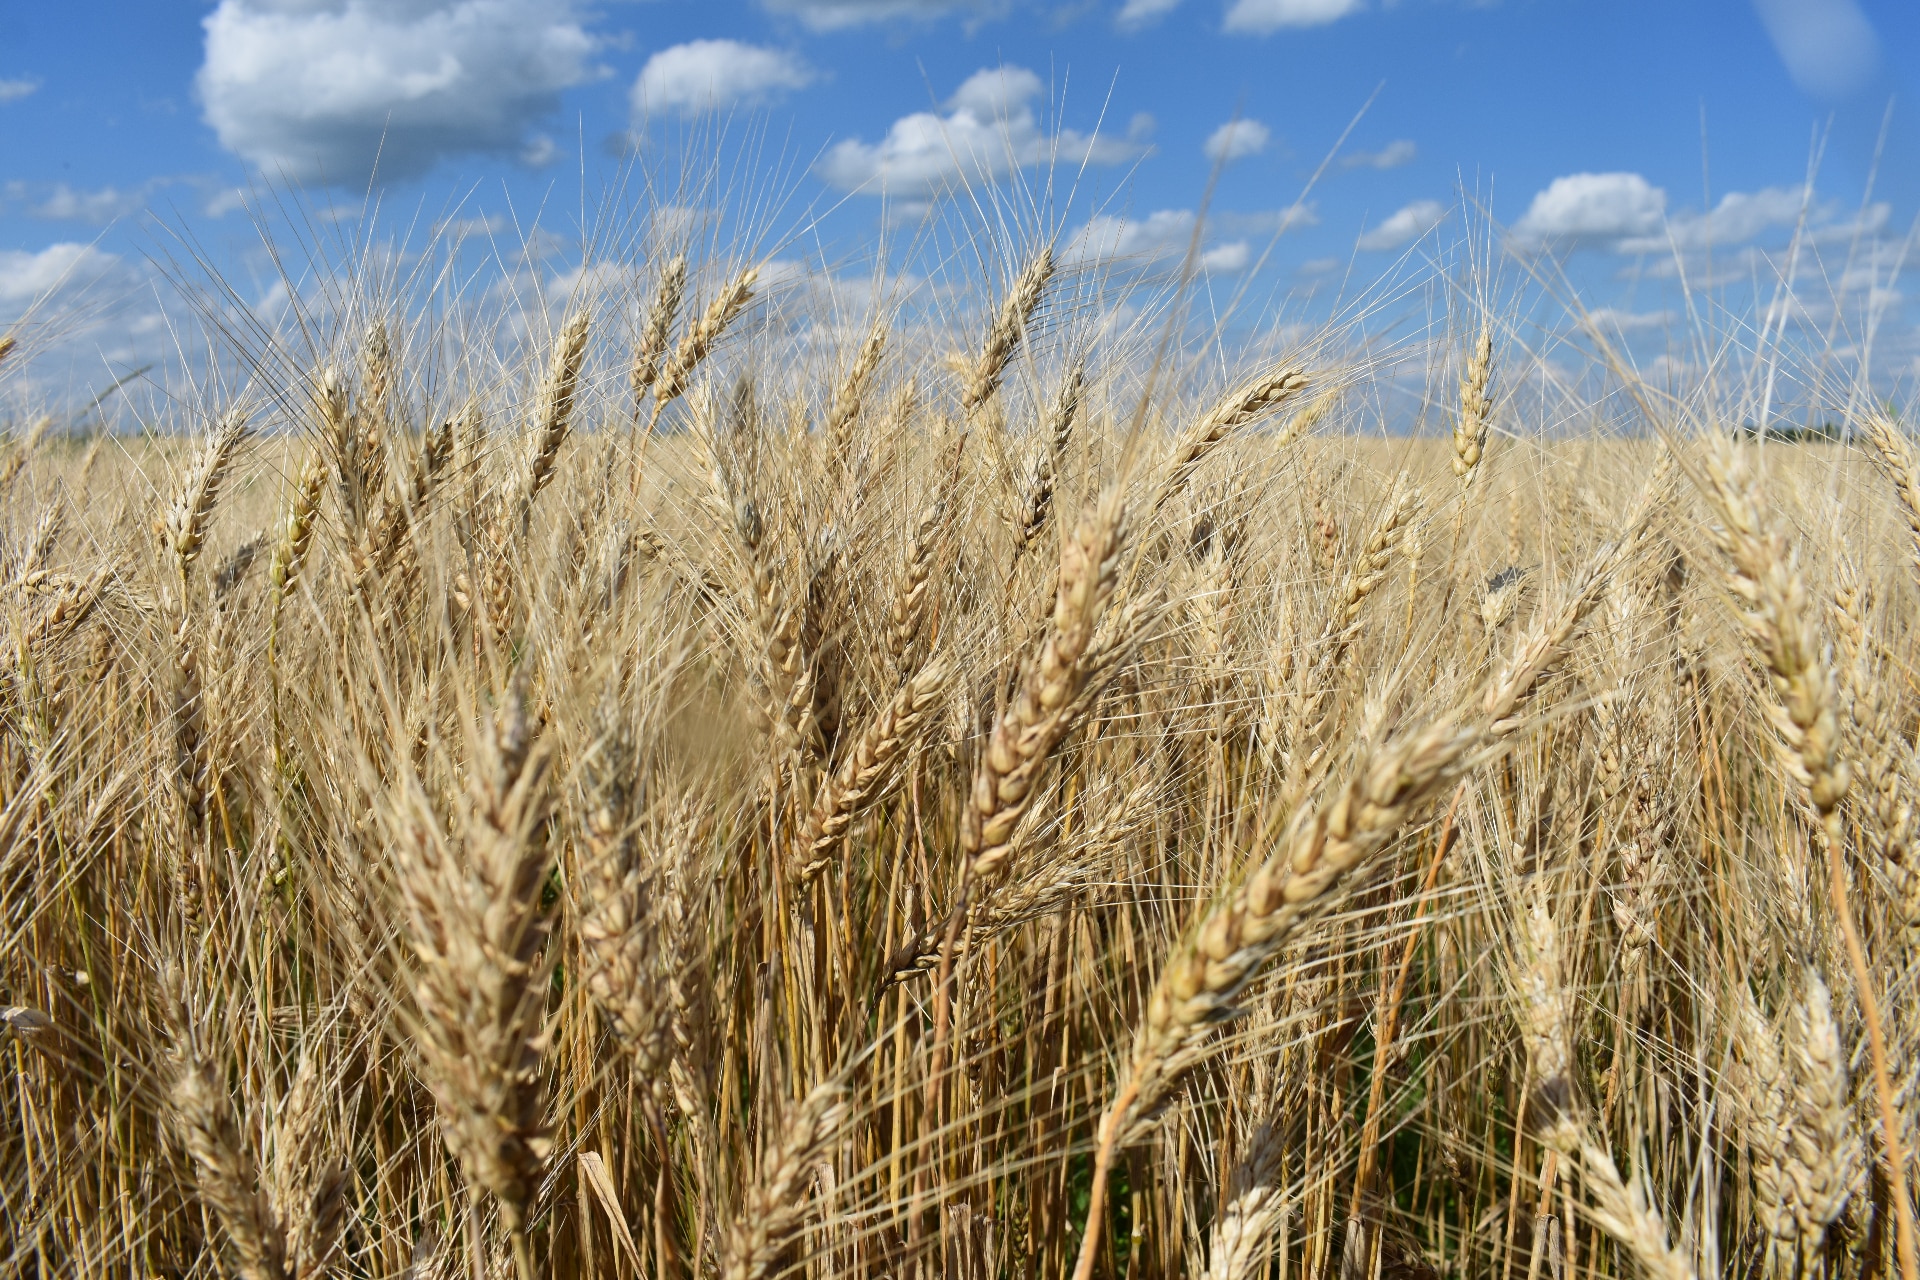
(962,800)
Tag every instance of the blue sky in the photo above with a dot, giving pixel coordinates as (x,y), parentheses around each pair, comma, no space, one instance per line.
(1623,138)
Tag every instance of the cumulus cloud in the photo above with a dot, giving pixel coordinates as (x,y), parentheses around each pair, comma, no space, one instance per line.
(706,75)
(1396,153)
(1584,208)
(989,129)
(317,89)
(1264,17)
(827,15)
(25,276)
(1829,46)
(1135,14)
(1405,225)
(1161,236)
(14,90)
(1237,139)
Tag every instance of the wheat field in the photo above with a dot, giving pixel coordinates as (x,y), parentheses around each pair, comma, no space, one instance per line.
(961,800)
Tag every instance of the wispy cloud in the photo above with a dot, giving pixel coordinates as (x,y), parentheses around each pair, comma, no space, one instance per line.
(1264,17)
(1404,226)
(1392,156)
(14,90)
(26,275)
(1237,139)
(1135,14)
(828,15)
(1163,235)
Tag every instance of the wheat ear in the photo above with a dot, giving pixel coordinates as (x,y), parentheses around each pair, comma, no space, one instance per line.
(193,503)
(1625,1212)
(847,401)
(1774,611)
(776,1203)
(871,768)
(617,896)
(229,1179)
(1894,456)
(556,406)
(1042,712)
(982,375)
(1236,409)
(480,974)
(652,346)
(309,1184)
(1476,409)
(913,583)
(700,337)
(290,553)
(389,537)
(1300,877)
(1312,715)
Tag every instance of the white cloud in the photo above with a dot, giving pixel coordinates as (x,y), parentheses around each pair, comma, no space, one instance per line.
(1161,236)
(1135,14)
(989,129)
(1236,139)
(1739,217)
(225,201)
(1392,156)
(1405,225)
(827,15)
(1226,258)
(704,75)
(1626,213)
(24,275)
(1588,207)
(1609,319)
(14,90)
(64,204)
(316,89)
(1264,17)
(1829,46)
